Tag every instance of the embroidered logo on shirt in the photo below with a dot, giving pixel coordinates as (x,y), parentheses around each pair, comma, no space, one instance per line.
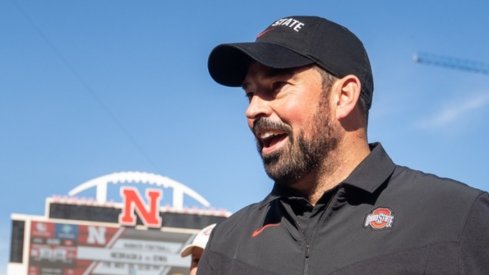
(380,218)
(259,230)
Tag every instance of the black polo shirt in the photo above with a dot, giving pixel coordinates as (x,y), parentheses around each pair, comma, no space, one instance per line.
(383,219)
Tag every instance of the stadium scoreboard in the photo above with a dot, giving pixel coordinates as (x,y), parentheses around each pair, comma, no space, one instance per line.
(80,236)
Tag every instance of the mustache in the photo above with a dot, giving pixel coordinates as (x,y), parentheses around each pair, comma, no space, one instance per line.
(262,124)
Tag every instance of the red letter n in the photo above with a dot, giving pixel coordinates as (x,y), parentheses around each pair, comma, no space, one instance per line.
(132,201)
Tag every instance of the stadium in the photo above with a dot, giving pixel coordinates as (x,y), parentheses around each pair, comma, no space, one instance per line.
(136,234)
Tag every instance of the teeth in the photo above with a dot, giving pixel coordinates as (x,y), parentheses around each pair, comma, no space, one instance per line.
(266,135)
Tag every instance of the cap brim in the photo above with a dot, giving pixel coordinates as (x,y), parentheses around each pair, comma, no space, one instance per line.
(228,63)
(187,250)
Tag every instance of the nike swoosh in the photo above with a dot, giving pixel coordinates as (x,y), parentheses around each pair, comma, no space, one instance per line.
(259,230)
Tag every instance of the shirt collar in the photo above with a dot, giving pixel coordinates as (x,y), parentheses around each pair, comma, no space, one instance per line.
(369,175)
(373,171)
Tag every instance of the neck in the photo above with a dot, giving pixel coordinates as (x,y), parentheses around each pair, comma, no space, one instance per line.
(335,169)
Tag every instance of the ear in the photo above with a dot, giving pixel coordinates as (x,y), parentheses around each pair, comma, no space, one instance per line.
(348,93)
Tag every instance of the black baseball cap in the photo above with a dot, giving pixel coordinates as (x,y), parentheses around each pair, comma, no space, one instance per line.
(296,41)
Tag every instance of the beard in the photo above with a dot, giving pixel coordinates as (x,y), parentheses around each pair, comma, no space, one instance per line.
(302,155)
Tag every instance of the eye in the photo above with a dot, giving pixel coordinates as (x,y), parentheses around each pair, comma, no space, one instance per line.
(277,85)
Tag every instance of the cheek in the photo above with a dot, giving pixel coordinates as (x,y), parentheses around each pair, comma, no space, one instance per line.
(296,113)
(299,108)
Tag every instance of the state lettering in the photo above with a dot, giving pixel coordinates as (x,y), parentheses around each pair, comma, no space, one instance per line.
(292,23)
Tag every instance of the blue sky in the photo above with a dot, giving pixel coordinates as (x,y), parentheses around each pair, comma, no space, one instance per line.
(88,88)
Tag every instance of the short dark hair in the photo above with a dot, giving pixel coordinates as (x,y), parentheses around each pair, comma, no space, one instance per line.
(328,80)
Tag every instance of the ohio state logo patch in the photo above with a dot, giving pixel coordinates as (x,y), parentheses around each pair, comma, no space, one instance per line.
(380,218)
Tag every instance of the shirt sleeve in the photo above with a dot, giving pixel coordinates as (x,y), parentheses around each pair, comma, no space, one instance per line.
(475,238)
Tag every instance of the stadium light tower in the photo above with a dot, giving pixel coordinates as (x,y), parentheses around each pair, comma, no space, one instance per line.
(452,63)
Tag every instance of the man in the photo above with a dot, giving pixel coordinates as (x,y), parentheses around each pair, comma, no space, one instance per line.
(339,205)
(196,247)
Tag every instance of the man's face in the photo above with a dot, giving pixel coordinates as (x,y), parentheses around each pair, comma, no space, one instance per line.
(290,118)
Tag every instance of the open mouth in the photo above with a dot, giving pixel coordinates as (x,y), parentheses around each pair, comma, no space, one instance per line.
(271,135)
(271,140)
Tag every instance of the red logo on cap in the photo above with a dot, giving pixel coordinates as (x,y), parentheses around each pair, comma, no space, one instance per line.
(208,230)
(264,32)
(380,218)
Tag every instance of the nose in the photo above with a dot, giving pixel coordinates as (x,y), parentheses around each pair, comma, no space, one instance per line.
(258,107)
